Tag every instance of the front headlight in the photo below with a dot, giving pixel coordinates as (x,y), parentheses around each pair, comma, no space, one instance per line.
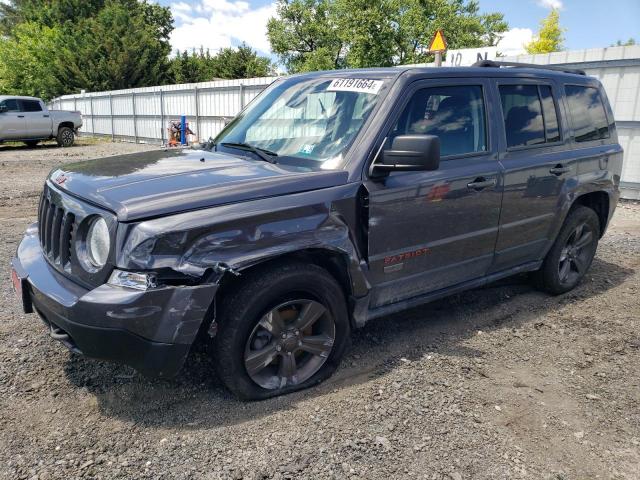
(98,242)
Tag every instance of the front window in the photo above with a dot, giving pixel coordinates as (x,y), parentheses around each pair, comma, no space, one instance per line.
(455,114)
(303,121)
(11,105)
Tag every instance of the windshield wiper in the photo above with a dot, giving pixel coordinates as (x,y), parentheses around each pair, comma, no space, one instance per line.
(264,154)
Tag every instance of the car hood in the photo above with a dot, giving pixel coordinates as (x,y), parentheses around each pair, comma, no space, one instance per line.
(160,182)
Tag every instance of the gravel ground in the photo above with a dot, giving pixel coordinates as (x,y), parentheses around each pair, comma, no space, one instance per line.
(501,382)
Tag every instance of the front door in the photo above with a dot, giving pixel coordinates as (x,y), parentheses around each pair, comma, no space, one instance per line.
(38,121)
(431,230)
(12,124)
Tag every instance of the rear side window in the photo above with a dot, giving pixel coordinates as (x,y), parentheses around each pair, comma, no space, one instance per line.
(587,113)
(455,114)
(11,104)
(530,116)
(31,106)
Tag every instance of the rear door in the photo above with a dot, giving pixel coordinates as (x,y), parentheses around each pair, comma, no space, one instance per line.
(12,123)
(431,230)
(534,147)
(37,118)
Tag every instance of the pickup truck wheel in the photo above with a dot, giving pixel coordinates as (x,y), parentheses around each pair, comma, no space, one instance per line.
(284,330)
(571,254)
(32,143)
(65,137)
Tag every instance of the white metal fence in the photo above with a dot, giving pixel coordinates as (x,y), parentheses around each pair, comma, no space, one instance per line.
(143,114)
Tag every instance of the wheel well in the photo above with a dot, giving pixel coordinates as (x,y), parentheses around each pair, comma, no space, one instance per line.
(333,262)
(599,203)
(65,124)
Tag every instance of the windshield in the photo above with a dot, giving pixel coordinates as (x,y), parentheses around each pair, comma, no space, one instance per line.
(303,121)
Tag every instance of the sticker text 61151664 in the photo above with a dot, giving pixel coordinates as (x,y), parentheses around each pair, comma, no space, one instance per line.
(361,85)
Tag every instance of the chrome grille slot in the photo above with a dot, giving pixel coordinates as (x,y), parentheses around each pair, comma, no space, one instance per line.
(56,229)
(66,233)
(55,232)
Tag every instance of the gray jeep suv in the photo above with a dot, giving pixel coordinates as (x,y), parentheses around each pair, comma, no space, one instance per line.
(333,198)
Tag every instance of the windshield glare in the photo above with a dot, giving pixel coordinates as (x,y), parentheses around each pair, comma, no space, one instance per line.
(307,122)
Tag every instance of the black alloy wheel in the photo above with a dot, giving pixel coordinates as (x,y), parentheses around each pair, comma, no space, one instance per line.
(289,344)
(576,255)
(283,327)
(571,254)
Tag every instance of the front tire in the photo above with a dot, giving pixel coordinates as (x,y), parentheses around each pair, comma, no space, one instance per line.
(284,329)
(65,137)
(571,254)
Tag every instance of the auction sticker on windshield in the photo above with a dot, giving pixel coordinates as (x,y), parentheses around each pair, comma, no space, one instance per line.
(361,85)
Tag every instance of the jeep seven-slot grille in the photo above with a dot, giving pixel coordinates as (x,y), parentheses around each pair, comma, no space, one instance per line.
(55,226)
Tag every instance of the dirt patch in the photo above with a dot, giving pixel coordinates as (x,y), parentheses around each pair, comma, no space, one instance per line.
(500,382)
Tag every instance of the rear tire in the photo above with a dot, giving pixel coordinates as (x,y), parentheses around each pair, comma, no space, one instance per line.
(284,329)
(65,137)
(32,143)
(571,254)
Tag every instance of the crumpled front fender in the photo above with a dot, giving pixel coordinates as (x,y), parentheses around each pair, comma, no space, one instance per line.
(240,235)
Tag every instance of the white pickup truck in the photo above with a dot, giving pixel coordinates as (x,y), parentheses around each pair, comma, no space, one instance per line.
(28,120)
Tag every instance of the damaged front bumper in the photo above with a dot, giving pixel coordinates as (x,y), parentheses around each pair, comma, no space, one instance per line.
(151,330)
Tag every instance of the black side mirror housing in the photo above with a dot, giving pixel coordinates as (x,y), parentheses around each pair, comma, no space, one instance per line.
(3,108)
(417,152)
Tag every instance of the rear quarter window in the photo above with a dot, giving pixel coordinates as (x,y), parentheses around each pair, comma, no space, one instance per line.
(31,106)
(587,113)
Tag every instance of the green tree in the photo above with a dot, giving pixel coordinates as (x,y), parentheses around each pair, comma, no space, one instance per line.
(550,37)
(69,45)
(25,66)
(628,43)
(305,35)
(326,34)
(240,62)
(45,13)
(117,48)
(187,67)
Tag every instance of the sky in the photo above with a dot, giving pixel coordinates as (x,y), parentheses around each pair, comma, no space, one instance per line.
(215,24)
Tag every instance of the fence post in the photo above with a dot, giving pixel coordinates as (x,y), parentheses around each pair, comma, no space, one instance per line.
(241,96)
(135,118)
(161,117)
(197,97)
(93,119)
(113,137)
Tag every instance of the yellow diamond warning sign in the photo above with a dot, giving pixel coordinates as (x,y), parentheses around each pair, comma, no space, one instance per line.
(438,43)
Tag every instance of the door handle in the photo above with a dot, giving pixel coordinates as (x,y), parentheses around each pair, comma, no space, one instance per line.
(20,116)
(481,183)
(559,170)
(45,116)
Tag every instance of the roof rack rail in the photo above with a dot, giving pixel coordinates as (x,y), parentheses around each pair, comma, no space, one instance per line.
(494,64)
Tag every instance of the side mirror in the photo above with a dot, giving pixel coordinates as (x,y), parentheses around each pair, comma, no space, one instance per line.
(417,152)
(3,108)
